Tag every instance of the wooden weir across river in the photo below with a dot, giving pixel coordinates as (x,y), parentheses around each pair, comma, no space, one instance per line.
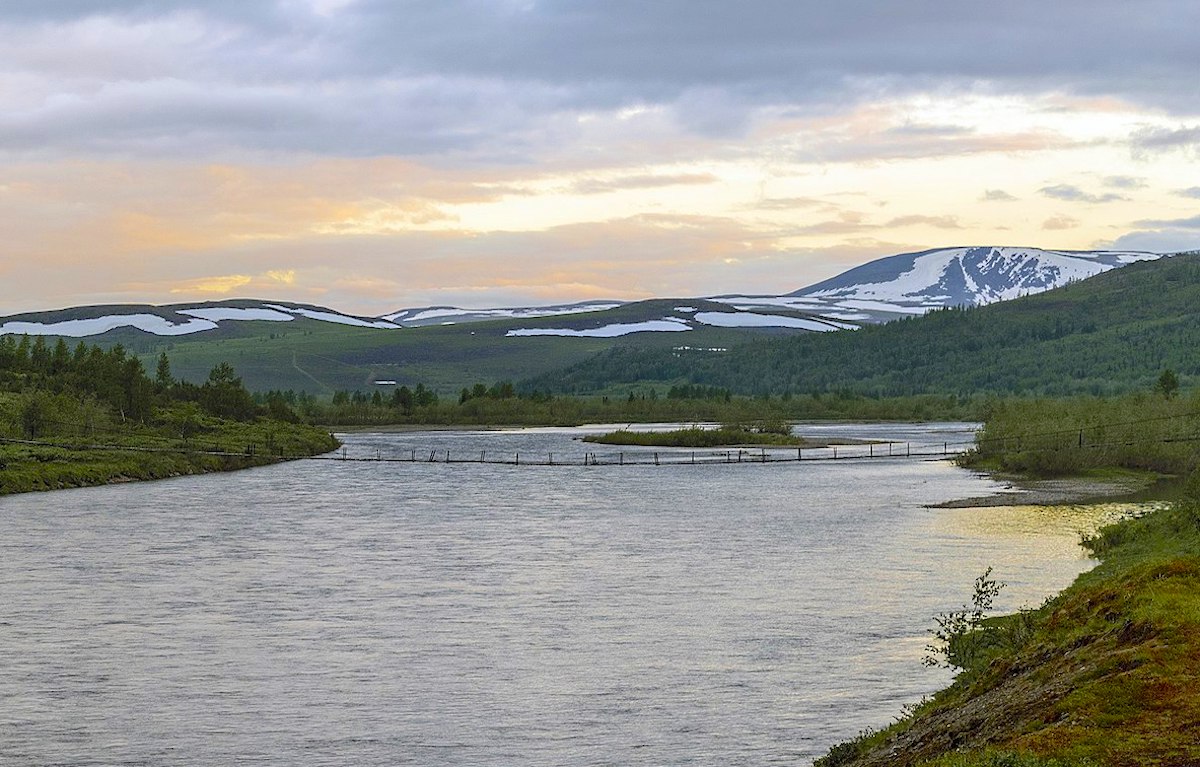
(656,457)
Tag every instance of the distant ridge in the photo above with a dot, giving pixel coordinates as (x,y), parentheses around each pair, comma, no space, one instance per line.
(885,289)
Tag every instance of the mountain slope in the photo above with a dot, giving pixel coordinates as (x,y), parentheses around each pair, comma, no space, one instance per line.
(1113,332)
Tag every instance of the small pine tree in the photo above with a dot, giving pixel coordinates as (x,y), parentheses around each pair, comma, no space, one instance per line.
(162,375)
(1167,384)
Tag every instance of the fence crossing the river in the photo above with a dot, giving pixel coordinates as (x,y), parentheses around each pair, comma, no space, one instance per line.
(655,457)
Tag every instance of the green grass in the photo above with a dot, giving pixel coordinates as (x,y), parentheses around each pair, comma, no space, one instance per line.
(321,357)
(141,453)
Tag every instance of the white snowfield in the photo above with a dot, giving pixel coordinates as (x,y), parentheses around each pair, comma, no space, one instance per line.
(425,315)
(756,320)
(340,319)
(665,325)
(150,323)
(217,314)
(205,318)
(675,325)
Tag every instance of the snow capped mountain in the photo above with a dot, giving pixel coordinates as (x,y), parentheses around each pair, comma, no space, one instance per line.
(915,283)
(967,276)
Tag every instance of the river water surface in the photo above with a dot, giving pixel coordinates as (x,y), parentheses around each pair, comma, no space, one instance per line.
(342,613)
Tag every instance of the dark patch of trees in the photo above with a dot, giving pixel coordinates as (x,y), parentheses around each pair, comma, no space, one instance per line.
(116,379)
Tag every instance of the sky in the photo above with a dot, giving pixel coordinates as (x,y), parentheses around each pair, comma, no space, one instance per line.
(371,155)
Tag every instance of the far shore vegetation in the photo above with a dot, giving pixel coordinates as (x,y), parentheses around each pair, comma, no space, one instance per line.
(1156,431)
(503,404)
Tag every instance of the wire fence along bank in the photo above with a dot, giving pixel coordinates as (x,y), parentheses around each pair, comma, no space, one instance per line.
(650,457)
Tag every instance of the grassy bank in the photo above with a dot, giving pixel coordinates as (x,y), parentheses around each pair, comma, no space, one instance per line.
(144,452)
(1103,674)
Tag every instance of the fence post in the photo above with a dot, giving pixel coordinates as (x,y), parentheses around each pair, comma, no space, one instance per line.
(871,450)
(551,459)
(907,450)
(764,454)
(621,458)
(656,459)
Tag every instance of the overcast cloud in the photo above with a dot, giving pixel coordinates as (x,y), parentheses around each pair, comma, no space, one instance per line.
(201,144)
(385,77)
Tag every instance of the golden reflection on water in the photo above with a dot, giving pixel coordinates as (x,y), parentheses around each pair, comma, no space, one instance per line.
(1062,527)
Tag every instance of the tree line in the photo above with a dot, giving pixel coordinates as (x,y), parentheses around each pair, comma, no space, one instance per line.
(53,383)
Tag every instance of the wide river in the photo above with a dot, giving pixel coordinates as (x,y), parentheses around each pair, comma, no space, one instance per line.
(343,613)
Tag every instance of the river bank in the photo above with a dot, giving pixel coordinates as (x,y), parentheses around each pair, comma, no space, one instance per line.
(1111,486)
(148,454)
(1102,674)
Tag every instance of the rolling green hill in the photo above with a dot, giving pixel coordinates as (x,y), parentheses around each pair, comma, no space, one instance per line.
(1112,333)
(323,357)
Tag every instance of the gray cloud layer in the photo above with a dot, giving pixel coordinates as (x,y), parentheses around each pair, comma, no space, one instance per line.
(507,77)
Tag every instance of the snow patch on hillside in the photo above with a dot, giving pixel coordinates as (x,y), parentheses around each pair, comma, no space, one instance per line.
(149,323)
(340,319)
(221,313)
(666,325)
(412,316)
(756,320)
